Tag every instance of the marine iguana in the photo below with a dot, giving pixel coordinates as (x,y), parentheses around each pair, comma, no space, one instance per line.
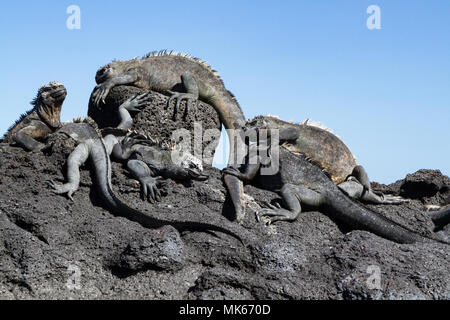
(301,183)
(165,71)
(92,145)
(326,150)
(322,148)
(42,120)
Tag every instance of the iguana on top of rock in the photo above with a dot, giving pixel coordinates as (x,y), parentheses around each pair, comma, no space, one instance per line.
(301,183)
(38,123)
(92,145)
(165,71)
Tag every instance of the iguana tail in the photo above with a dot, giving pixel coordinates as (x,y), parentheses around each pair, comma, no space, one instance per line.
(102,167)
(233,120)
(361,218)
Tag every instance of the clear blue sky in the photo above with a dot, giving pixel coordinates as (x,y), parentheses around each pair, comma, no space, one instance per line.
(385,92)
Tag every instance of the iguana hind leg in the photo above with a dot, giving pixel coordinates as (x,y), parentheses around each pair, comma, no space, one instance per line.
(191,86)
(361,175)
(354,189)
(76,159)
(293,196)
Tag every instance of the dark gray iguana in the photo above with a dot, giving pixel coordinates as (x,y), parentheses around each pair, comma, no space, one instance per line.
(92,145)
(300,183)
(324,149)
(36,125)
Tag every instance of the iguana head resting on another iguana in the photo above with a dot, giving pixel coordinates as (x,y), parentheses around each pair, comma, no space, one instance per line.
(327,151)
(317,143)
(38,123)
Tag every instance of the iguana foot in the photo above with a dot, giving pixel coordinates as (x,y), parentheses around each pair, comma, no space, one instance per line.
(149,189)
(101,92)
(391,199)
(67,188)
(137,102)
(179,97)
(274,213)
(124,149)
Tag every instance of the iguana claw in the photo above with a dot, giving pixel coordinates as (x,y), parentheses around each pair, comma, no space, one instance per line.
(137,102)
(149,190)
(274,213)
(67,188)
(101,92)
(179,97)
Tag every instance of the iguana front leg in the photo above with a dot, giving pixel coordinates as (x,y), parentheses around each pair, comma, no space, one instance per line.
(101,91)
(76,159)
(134,103)
(26,137)
(191,86)
(143,174)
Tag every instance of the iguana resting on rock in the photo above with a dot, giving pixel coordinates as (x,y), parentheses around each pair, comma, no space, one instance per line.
(38,123)
(301,183)
(324,149)
(92,145)
(165,71)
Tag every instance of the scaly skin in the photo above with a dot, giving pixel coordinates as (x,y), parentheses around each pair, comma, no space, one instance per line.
(38,123)
(166,71)
(329,152)
(301,183)
(92,146)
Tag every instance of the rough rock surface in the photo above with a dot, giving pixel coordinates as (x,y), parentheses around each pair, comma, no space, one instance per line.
(51,247)
(157,121)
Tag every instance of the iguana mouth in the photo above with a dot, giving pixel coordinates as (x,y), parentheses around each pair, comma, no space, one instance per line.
(59,93)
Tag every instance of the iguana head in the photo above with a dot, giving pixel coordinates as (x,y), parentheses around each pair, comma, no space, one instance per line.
(114,69)
(192,165)
(48,103)
(105,73)
(286,130)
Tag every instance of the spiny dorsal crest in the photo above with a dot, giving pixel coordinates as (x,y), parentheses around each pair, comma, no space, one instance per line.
(93,124)
(165,53)
(316,124)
